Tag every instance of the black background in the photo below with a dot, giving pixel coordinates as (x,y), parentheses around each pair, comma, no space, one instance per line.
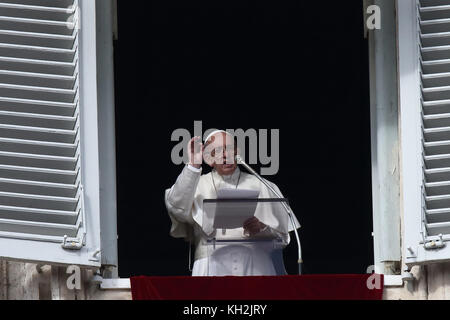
(299,66)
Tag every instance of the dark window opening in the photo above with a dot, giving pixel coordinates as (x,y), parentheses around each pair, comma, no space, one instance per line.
(300,67)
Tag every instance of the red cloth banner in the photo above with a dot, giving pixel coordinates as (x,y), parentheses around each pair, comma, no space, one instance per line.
(300,287)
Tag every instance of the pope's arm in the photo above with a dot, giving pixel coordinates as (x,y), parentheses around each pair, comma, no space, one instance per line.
(179,200)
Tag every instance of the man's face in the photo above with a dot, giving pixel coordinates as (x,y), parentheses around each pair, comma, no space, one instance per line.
(222,150)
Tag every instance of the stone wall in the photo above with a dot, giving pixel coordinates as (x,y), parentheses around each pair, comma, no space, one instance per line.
(28,281)
(20,281)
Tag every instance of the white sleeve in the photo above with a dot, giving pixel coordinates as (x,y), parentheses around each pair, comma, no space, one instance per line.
(297,224)
(179,199)
(198,170)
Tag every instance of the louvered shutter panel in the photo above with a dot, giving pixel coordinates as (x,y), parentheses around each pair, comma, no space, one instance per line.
(433,39)
(41,194)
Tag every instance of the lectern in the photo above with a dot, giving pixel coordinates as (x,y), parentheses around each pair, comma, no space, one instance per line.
(231,251)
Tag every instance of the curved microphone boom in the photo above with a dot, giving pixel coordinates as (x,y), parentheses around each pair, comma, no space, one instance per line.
(240,161)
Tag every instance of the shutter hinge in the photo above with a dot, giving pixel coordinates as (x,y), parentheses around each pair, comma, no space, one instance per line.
(434,244)
(72,243)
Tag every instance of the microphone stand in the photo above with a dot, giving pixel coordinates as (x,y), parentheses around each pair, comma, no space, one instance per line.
(240,161)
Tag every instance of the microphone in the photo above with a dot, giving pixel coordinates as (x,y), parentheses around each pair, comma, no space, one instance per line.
(241,161)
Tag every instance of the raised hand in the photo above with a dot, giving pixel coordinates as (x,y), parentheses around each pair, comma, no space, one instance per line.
(195,151)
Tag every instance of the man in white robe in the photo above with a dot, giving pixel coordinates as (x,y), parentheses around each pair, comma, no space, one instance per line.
(184,202)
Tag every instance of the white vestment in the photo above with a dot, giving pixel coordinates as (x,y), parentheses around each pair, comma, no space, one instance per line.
(184,202)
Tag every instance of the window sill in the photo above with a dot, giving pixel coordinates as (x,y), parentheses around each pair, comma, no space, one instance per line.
(393,280)
(115,284)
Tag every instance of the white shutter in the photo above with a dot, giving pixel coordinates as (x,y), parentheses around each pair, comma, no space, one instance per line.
(41,195)
(427,234)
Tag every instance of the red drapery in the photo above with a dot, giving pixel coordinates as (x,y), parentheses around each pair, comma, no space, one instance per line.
(303,287)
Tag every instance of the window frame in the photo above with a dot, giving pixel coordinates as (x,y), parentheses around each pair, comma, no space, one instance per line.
(97,143)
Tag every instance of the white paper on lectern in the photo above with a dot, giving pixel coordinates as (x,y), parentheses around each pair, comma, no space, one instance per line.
(231,215)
